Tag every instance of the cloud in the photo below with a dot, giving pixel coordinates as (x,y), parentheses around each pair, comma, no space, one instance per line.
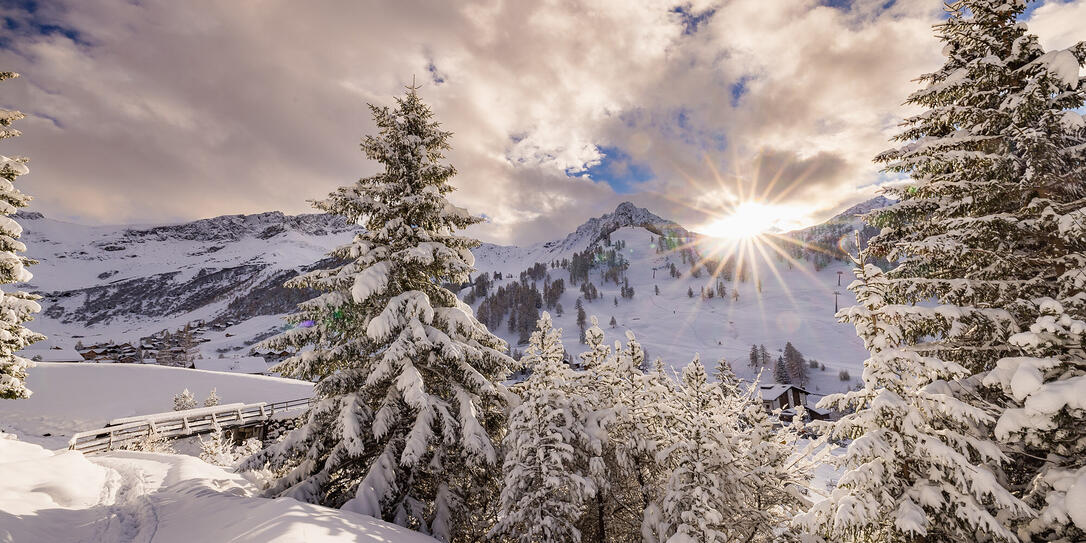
(1059,24)
(160,111)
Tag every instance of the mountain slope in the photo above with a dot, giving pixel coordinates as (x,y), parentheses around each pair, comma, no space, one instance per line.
(122,283)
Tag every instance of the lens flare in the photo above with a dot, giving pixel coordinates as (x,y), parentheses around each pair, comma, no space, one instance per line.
(747,220)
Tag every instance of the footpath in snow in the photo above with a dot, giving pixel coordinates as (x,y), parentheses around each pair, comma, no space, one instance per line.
(141,497)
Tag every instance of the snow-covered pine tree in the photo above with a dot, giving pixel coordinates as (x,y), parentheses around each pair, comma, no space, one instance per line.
(212,398)
(627,421)
(795,364)
(580,319)
(1048,386)
(546,483)
(988,221)
(913,472)
(16,307)
(596,523)
(702,490)
(408,401)
(731,476)
(780,372)
(598,351)
(184,400)
(776,475)
(217,449)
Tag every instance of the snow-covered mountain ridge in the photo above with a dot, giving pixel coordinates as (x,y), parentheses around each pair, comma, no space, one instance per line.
(124,282)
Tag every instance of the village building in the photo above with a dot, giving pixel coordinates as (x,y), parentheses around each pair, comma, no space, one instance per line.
(787,397)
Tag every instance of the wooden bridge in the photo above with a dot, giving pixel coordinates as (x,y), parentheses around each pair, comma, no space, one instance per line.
(178,424)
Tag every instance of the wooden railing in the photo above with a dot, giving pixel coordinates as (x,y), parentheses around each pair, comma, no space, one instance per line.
(178,424)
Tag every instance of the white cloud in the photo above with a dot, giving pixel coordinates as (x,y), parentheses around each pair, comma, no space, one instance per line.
(174,110)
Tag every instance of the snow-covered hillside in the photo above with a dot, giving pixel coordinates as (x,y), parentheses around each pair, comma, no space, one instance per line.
(122,283)
(796,304)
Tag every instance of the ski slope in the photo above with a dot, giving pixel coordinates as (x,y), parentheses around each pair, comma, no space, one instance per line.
(795,304)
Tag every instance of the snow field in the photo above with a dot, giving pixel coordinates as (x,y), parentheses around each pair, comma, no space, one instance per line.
(72,397)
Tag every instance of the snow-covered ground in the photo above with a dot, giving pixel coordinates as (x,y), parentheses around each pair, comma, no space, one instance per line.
(72,397)
(795,304)
(128,496)
(142,497)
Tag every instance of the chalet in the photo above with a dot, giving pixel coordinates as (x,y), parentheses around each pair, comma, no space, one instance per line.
(778,396)
(817,413)
(787,397)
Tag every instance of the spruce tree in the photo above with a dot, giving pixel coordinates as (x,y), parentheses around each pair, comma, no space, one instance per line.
(913,472)
(755,359)
(580,319)
(780,372)
(184,400)
(795,364)
(730,476)
(628,419)
(990,225)
(776,477)
(16,307)
(408,406)
(546,486)
(699,495)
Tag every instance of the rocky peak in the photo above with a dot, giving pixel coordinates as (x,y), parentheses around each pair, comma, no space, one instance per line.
(626,214)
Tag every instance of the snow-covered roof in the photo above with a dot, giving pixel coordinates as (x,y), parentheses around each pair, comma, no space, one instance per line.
(774,391)
(241,364)
(52,355)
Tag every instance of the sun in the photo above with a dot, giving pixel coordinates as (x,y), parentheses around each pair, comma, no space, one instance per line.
(747,220)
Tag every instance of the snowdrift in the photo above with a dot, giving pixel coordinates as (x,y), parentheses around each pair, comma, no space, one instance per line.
(134,497)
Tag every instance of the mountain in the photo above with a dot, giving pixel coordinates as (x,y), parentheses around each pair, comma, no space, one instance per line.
(834,239)
(511,258)
(123,283)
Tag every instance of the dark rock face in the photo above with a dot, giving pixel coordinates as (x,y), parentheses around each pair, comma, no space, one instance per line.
(251,290)
(271,297)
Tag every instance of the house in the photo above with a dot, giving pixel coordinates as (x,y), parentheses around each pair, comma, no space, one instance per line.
(817,413)
(253,365)
(778,396)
